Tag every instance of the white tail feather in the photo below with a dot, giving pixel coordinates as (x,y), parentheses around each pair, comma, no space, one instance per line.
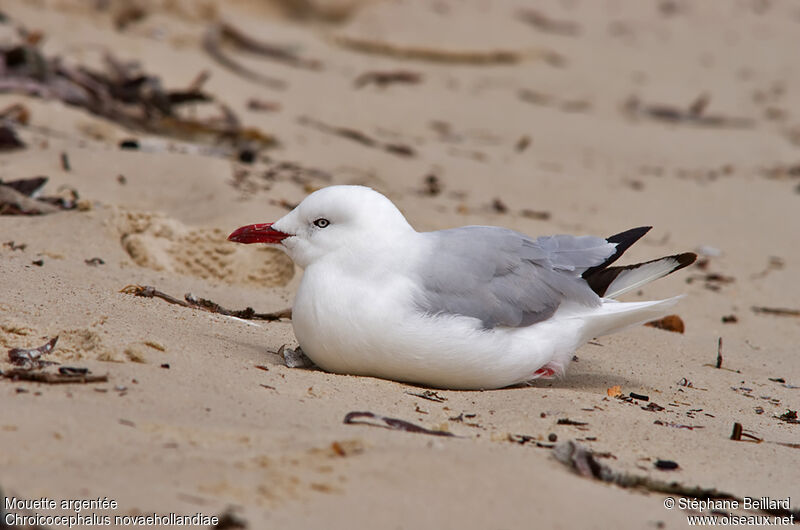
(616,316)
(631,279)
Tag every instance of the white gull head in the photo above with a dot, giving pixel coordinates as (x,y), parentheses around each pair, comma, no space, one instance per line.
(333,220)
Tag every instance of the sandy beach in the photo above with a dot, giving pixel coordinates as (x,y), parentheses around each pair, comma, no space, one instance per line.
(565,116)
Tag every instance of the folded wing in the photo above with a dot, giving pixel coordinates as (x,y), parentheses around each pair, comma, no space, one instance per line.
(505,278)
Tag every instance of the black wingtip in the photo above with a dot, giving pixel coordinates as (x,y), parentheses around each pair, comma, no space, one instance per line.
(684,260)
(623,240)
(630,236)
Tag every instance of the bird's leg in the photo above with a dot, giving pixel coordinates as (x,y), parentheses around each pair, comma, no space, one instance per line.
(548,371)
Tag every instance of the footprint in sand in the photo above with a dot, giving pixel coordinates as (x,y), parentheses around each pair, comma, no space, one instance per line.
(157,242)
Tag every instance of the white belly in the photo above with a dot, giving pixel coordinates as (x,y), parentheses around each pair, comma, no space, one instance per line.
(365,328)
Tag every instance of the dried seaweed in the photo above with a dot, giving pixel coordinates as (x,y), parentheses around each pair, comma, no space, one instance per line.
(224,31)
(738,433)
(694,114)
(584,462)
(51,378)
(283,54)
(9,141)
(211,44)
(666,465)
(548,100)
(383,79)
(525,439)
(713,281)
(193,302)
(776,311)
(678,425)
(123,93)
(385,422)
(542,22)
(17,198)
(567,421)
(430,395)
(436,55)
(357,136)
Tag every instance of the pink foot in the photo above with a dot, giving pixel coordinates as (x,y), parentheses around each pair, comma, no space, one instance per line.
(545,372)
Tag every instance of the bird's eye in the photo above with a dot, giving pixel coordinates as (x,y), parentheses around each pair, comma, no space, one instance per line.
(321,223)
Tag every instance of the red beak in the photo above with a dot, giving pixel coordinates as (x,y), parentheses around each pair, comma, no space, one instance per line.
(260,233)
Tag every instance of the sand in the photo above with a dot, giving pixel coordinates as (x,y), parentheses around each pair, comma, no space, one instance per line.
(530,126)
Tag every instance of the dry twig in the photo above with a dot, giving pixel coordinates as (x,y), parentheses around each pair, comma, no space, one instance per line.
(193,302)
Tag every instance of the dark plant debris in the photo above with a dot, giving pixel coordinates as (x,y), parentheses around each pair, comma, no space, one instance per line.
(548,100)
(223,31)
(666,465)
(12,245)
(17,198)
(207,305)
(738,433)
(585,463)
(353,418)
(94,262)
(438,55)
(498,206)
(462,417)
(123,93)
(261,105)
(544,23)
(535,214)
(51,378)
(73,370)
(790,416)
(776,311)
(677,425)
(130,144)
(382,79)
(433,185)
(713,281)
(357,136)
(525,439)
(640,397)
(9,141)
(653,407)
(430,395)
(567,421)
(694,114)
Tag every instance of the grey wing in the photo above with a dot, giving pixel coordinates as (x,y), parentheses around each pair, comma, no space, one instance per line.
(503,277)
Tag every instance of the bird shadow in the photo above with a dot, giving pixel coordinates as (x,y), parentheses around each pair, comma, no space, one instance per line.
(589,381)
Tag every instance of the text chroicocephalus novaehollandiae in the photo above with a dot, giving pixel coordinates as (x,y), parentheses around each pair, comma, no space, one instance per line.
(476,307)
